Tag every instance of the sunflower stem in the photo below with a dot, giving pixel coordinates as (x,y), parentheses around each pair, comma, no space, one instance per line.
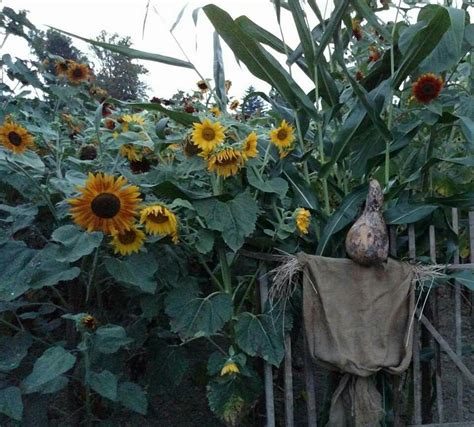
(87,371)
(209,271)
(225,270)
(92,273)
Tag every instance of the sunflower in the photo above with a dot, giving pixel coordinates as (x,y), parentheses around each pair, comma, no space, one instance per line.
(128,241)
(129,151)
(208,135)
(359,75)
(226,162)
(249,149)
(89,322)
(159,220)
(140,166)
(88,152)
(230,367)
(427,87)
(190,148)
(15,137)
(227,85)
(203,85)
(283,136)
(131,119)
(77,73)
(234,105)
(105,204)
(61,67)
(374,54)
(303,218)
(215,111)
(356,29)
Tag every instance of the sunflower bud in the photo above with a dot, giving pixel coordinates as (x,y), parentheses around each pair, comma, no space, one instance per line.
(88,152)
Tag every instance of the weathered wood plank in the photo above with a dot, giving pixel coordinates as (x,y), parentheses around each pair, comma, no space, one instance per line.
(267,368)
(465,424)
(438,368)
(457,321)
(310,386)
(416,340)
(289,413)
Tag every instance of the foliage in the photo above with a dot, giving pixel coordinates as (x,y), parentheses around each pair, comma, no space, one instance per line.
(109,331)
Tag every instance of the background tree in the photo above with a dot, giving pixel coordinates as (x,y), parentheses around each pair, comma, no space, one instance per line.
(119,75)
(253,105)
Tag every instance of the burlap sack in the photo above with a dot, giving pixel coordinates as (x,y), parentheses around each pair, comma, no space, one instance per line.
(357,322)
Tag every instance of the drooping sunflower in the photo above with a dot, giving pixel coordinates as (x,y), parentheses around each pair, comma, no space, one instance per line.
(227,85)
(203,85)
(106,204)
(283,136)
(128,241)
(208,135)
(77,73)
(131,119)
(89,322)
(61,67)
(356,29)
(249,148)
(130,152)
(226,162)
(374,54)
(230,367)
(158,219)
(302,218)
(427,87)
(234,105)
(15,137)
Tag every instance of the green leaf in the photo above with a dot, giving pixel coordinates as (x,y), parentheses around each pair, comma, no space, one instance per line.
(259,62)
(132,53)
(104,383)
(75,243)
(10,403)
(194,316)
(235,219)
(364,10)
(136,269)
(173,191)
(462,200)
(204,241)
(13,350)
(51,272)
(260,335)
(109,339)
(342,217)
(406,213)
(422,44)
(182,118)
(132,396)
(219,76)
(275,185)
(50,365)
(466,278)
(55,385)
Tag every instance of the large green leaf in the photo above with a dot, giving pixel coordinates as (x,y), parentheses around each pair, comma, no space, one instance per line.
(259,62)
(342,217)
(75,243)
(462,200)
(466,278)
(13,350)
(275,185)
(10,403)
(260,335)
(137,270)
(195,316)
(50,365)
(132,53)
(104,383)
(219,76)
(422,44)
(406,213)
(109,339)
(133,397)
(235,219)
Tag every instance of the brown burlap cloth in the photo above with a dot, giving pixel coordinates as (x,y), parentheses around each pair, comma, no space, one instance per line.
(357,322)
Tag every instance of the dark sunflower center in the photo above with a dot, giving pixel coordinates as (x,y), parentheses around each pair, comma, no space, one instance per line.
(63,66)
(158,218)
(106,205)
(428,88)
(77,73)
(208,134)
(127,237)
(14,138)
(282,134)
(226,162)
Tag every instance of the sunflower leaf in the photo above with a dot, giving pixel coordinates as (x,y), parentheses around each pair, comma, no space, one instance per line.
(75,243)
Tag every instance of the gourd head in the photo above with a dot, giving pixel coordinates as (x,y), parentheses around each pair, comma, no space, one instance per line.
(374,201)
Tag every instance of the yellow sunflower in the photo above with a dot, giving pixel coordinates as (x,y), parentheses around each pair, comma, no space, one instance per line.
(61,67)
(159,220)
(283,136)
(128,241)
(250,146)
(129,151)
(105,204)
(89,322)
(77,73)
(230,367)
(131,119)
(226,162)
(15,137)
(208,135)
(215,111)
(303,218)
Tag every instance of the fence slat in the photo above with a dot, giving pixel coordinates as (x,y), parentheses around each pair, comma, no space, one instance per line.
(289,416)
(457,317)
(439,384)
(310,386)
(267,368)
(416,340)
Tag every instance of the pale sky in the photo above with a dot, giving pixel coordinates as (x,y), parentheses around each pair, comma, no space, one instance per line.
(88,17)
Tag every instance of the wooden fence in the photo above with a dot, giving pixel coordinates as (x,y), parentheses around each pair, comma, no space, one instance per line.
(421,371)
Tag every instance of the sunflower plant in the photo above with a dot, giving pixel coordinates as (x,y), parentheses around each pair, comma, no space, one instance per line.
(132,231)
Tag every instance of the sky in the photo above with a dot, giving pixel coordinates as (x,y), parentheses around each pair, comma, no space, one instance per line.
(88,18)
